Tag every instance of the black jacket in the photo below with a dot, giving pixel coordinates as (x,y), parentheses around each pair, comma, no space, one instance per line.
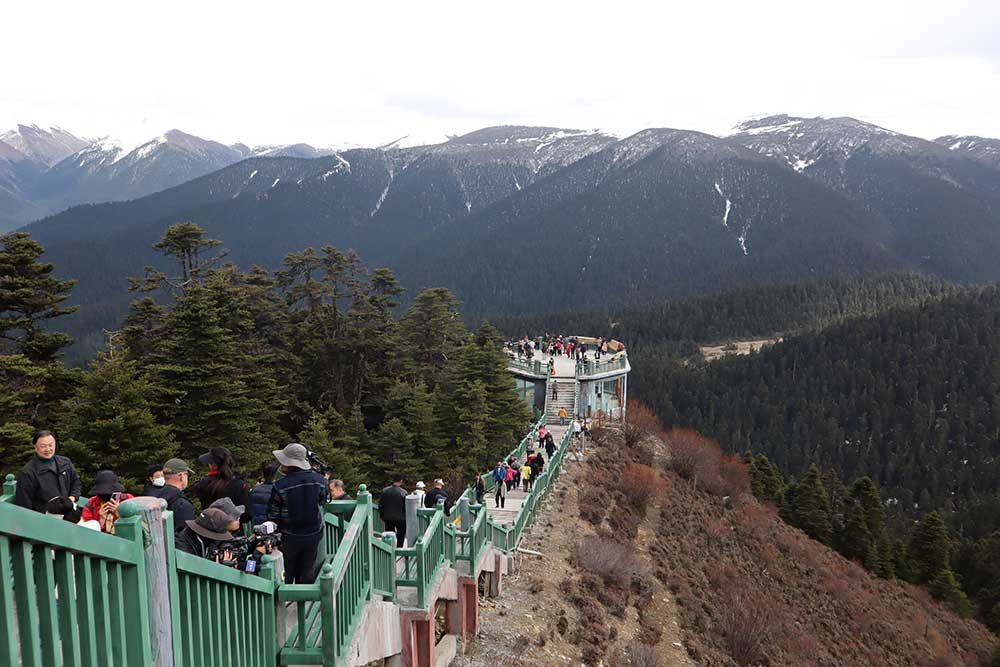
(236,490)
(191,542)
(295,505)
(260,496)
(392,503)
(430,500)
(40,482)
(178,503)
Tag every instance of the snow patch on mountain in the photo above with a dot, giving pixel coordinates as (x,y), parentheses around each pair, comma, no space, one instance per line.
(729,206)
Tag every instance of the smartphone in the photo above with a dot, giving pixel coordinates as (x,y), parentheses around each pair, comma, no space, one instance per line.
(117,496)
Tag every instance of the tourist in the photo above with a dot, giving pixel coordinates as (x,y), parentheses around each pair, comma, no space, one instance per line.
(232,512)
(550,444)
(392,509)
(555,390)
(200,536)
(420,492)
(500,479)
(176,475)
(537,463)
(436,494)
(526,477)
(105,496)
(542,432)
(295,505)
(46,476)
(480,489)
(260,494)
(154,479)
(222,480)
(337,490)
(562,416)
(577,428)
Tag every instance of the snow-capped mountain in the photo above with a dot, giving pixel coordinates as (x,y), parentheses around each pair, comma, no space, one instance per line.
(46,171)
(983,149)
(46,147)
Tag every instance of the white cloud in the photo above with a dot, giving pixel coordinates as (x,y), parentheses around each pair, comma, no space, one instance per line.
(335,72)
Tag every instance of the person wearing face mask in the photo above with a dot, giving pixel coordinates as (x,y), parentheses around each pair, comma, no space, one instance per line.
(176,472)
(105,497)
(154,479)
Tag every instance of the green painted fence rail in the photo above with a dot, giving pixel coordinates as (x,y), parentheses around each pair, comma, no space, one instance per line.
(585,369)
(63,582)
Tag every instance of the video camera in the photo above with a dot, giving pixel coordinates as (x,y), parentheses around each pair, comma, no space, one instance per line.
(317,463)
(244,553)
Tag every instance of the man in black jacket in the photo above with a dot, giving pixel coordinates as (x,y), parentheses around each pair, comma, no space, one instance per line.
(392,509)
(431,499)
(295,505)
(176,472)
(46,476)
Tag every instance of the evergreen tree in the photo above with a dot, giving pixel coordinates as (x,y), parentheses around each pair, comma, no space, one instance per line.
(855,541)
(327,435)
(810,508)
(391,451)
(902,564)
(32,377)
(30,296)
(945,588)
(110,422)
(432,334)
(202,395)
(930,548)
(865,494)
(766,481)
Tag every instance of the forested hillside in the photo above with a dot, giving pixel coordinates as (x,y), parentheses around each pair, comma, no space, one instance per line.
(908,397)
(214,356)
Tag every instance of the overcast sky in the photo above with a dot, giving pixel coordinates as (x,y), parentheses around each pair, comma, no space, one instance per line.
(332,73)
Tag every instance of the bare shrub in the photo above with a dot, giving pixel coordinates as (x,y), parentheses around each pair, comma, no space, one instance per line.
(692,456)
(640,423)
(614,563)
(638,656)
(640,483)
(747,619)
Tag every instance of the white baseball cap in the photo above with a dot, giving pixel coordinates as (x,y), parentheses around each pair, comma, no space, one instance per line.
(421,485)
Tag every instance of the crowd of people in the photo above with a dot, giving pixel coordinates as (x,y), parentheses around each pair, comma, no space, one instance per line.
(552,345)
(290,495)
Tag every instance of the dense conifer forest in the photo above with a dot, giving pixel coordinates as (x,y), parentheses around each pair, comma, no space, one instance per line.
(213,355)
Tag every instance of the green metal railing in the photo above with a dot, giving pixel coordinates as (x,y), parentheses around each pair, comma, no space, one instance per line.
(585,369)
(83,594)
(69,595)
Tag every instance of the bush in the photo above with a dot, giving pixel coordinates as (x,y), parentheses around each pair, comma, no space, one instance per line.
(747,619)
(639,656)
(692,455)
(614,563)
(640,484)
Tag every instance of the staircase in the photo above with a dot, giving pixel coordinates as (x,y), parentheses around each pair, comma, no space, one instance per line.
(566,398)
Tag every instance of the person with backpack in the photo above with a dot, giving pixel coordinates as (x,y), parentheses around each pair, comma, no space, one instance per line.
(222,481)
(176,473)
(550,444)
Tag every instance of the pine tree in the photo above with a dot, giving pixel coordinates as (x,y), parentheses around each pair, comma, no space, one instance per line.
(930,548)
(391,451)
(855,541)
(945,588)
(866,495)
(766,481)
(327,435)
(201,394)
(30,296)
(810,510)
(110,422)
(432,333)
(33,380)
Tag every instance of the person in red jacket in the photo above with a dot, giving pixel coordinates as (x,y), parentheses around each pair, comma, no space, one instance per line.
(105,497)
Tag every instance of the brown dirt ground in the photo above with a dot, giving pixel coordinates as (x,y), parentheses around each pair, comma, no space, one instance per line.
(522,626)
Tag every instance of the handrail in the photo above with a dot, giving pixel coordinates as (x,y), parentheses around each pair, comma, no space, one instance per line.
(618,361)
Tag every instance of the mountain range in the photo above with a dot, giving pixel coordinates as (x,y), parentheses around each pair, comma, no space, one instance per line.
(46,171)
(520,219)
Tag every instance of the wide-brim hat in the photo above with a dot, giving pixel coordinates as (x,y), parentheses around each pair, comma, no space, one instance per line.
(232,510)
(105,483)
(211,524)
(294,455)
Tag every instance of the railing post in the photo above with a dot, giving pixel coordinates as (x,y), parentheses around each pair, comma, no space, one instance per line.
(10,486)
(328,615)
(365,498)
(148,529)
(390,539)
(412,522)
(464,513)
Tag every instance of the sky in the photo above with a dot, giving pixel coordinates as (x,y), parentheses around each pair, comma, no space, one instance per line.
(367,73)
